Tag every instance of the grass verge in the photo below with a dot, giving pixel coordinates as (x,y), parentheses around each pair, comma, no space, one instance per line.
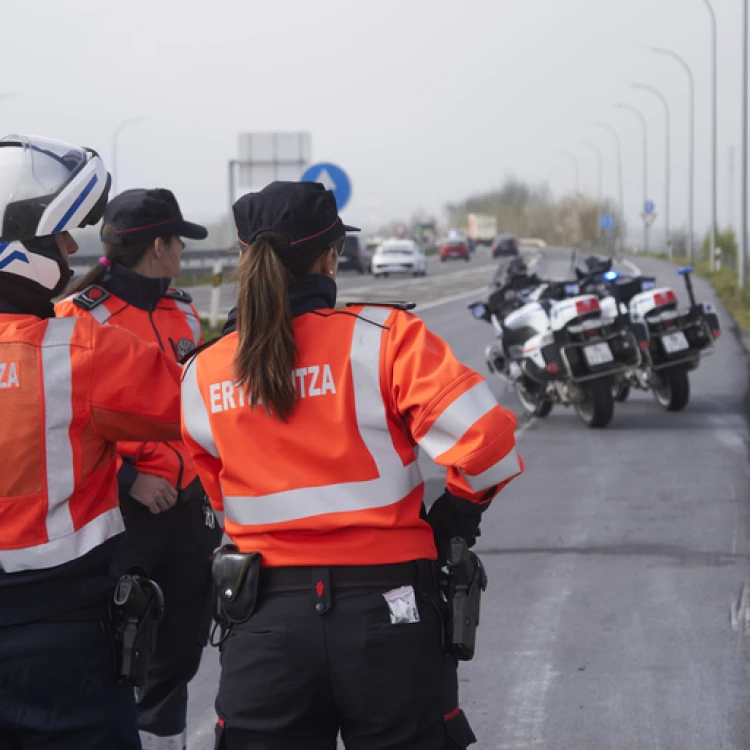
(210,332)
(725,282)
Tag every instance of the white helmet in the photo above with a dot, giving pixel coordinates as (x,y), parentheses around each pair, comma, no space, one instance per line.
(46,187)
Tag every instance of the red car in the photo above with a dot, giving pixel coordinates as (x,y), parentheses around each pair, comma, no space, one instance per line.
(454,249)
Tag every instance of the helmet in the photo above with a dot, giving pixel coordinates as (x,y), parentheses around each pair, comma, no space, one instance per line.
(46,187)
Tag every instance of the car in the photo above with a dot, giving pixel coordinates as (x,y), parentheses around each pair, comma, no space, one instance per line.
(354,255)
(398,256)
(455,248)
(505,244)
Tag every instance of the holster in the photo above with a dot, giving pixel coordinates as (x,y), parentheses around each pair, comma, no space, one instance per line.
(194,492)
(135,611)
(463,586)
(236,577)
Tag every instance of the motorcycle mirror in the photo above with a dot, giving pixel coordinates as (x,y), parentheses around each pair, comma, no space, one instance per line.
(478,310)
(685,270)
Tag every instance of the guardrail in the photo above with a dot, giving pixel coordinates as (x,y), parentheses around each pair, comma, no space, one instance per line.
(193,259)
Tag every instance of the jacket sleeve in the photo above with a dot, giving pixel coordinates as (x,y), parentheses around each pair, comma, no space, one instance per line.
(198,438)
(450,411)
(135,387)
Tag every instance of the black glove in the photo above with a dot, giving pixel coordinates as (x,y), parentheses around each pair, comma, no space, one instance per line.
(452,516)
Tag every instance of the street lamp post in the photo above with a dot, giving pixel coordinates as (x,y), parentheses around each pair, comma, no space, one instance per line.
(712,235)
(742,259)
(621,192)
(577,167)
(668,150)
(593,147)
(691,145)
(116,135)
(639,115)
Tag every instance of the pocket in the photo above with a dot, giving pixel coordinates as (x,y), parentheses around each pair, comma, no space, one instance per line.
(458,730)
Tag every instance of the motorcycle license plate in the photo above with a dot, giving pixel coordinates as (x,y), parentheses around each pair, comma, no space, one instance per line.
(598,354)
(675,342)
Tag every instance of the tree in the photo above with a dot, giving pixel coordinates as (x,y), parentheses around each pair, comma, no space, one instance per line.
(531,211)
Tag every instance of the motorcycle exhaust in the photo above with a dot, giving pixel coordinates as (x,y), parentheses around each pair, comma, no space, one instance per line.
(495,356)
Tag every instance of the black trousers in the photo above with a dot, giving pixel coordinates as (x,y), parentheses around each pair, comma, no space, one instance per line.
(292,677)
(174,549)
(58,690)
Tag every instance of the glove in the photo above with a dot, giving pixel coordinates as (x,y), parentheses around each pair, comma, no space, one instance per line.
(451,516)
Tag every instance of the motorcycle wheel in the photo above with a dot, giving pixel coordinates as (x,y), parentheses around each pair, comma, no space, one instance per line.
(534,407)
(598,406)
(674,393)
(621,393)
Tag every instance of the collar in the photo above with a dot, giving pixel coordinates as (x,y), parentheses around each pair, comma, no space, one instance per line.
(17,298)
(139,291)
(306,294)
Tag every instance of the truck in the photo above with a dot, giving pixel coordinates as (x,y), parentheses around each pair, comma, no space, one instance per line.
(481,228)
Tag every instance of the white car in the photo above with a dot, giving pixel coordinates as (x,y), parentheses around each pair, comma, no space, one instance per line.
(398,256)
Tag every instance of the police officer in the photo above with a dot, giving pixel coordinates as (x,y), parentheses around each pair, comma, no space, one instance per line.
(171,527)
(64,403)
(303,421)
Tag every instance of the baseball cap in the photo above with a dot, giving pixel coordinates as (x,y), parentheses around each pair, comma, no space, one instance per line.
(304,212)
(140,214)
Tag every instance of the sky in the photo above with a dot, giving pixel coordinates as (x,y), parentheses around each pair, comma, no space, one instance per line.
(421,102)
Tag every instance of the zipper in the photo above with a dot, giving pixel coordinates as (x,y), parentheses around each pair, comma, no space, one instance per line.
(156,330)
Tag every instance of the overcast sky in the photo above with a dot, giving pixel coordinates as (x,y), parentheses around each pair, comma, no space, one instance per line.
(421,101)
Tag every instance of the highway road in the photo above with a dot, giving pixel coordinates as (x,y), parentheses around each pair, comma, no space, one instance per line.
(615,616)
(443,279)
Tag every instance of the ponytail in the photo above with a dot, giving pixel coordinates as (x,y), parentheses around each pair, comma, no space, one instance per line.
(127,255)
(266,351)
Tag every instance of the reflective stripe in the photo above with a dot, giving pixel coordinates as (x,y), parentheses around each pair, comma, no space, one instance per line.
(394,482)
(58,414)
(194,411)
(155,742)
(453,423)
(65,549)
(192,320)
(100,314)
(504,469)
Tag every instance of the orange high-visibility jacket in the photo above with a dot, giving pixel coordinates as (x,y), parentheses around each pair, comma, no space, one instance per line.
(339,484)
(166,318)
(64,401)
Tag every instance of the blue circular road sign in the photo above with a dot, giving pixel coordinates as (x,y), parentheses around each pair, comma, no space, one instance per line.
(334,178)
(649,207)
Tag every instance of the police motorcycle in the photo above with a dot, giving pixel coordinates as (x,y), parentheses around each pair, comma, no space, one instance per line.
(676,340)
(555,345)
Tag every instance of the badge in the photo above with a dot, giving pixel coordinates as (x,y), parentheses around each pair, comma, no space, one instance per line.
(183,347)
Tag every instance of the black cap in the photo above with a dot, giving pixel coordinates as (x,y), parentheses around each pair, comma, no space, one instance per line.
(140,215)
(305,212)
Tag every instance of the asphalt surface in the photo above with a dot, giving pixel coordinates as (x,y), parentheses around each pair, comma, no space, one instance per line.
(615,616)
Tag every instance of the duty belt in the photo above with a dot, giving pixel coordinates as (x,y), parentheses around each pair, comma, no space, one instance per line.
(340,576)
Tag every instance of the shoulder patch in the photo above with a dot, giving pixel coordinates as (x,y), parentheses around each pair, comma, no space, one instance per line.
(178,294)
(91,297)
(396,305)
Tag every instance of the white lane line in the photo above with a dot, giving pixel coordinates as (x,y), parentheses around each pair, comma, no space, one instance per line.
(482,290)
